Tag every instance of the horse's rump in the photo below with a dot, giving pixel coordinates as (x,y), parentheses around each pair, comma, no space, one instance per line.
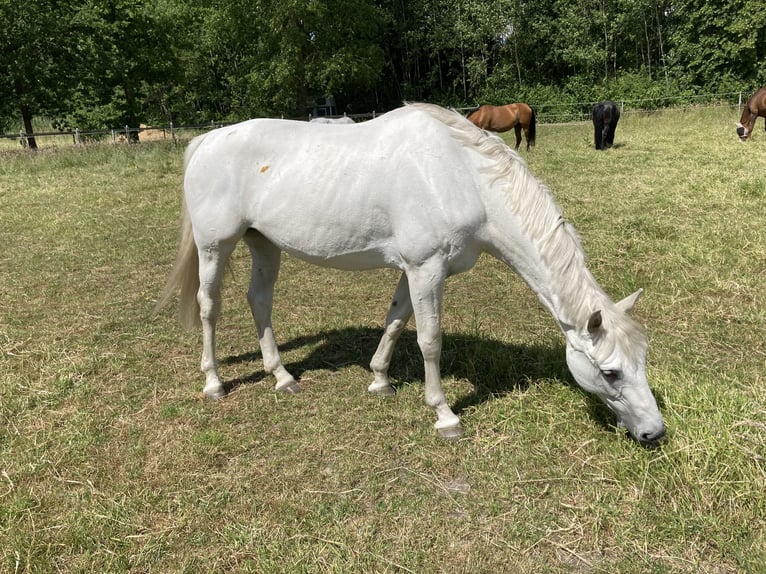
(605,116)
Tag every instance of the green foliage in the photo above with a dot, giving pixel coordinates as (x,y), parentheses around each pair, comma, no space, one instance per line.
(717,43)
(107,63)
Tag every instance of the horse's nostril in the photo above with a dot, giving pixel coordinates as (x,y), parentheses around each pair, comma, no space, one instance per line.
(653,437)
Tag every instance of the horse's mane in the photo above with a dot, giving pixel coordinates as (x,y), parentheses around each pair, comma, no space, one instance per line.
(557,241)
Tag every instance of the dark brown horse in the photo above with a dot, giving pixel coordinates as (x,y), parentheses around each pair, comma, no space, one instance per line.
(503,118)
(756,106)
(606,114)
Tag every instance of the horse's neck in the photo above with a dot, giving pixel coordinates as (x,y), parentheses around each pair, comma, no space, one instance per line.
(745,119)
(535,240)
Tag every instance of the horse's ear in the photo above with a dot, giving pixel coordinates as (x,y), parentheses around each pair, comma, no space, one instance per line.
(627,304)
(594,323)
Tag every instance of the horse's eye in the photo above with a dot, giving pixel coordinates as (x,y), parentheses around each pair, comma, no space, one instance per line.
(610,375)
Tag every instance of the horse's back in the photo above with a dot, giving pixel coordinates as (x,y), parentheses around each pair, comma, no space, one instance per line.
(606,111)
(757,102)
(351,196)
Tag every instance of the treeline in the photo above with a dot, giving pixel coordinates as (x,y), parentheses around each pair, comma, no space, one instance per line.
(105,63)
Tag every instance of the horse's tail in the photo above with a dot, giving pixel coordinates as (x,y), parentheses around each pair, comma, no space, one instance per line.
(532,127)
(185,272)
(184,275)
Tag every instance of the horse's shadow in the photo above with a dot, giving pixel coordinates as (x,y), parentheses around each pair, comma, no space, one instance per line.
(493,367)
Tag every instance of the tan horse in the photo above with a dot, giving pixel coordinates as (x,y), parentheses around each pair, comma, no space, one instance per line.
(755,107)
(503,118)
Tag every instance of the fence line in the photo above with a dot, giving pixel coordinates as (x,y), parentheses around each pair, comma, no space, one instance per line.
(126,133)
(560,112)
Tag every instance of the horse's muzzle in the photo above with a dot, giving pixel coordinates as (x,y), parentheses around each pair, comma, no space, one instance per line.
(652,439)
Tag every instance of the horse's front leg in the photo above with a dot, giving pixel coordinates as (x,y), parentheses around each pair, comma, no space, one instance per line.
(426,293)
(212,261)
(266,260)
(399,314)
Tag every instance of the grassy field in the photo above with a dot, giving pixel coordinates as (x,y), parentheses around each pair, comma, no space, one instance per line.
(110,461)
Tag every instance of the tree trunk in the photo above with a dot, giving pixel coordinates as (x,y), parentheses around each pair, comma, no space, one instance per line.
(648,47)
(516,55)
(26,114)
(130,104)
(662,50)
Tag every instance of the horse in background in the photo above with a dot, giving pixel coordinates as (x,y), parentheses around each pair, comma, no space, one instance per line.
(327,120)
(606,114)
(503,118)
(755,107)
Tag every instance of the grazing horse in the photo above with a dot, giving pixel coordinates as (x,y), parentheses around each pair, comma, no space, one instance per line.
(503,118)
(755,107)
(418,189)
(605,117)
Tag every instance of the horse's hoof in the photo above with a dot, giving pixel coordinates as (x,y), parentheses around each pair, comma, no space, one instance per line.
(214,393)
(289,387)
(452,433)
(381,390)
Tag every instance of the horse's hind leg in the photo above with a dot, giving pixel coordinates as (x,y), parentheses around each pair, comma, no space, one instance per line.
(517,129)
(266,259)
(598,133)
(427,291)
(212,261)
(399,314)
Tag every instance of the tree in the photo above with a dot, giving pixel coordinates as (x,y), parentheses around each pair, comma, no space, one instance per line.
(271,55)
(719,42)
(131,63)
(92,64)
(38,58)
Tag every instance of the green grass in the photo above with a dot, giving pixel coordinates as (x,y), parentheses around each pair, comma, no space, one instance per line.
(110,461)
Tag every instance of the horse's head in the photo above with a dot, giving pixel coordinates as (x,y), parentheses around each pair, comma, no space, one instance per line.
(608,359)
(742,132)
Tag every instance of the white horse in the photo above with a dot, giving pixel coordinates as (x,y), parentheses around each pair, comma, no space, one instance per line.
(420,189)
(326,120)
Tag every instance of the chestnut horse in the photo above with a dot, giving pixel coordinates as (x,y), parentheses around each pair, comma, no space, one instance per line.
(755,107)
(503,118)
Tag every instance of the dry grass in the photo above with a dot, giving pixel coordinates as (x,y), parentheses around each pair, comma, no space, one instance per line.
(110,461)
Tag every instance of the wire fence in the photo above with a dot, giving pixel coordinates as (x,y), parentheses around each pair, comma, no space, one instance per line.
(548,112)
(143,133)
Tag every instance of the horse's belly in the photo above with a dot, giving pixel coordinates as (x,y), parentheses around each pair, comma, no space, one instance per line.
(355,261)
(331,242)
(339,244)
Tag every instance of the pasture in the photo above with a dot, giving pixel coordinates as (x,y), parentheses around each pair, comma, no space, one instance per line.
(111,461)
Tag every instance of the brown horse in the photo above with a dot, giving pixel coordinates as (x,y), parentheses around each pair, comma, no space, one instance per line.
(756,106)
(503,118)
